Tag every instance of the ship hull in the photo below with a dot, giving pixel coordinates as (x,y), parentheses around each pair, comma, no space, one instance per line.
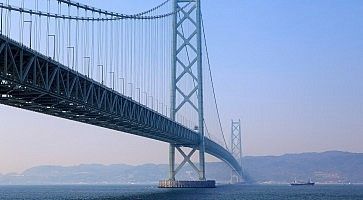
(302,184)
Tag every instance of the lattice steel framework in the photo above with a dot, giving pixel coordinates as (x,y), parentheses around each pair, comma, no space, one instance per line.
(32,81)
(236,148)
(187,69)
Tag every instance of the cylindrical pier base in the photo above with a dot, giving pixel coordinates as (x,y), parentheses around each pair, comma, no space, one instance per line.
(187,184)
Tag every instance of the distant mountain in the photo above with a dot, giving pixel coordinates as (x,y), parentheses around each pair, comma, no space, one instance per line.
(327,167)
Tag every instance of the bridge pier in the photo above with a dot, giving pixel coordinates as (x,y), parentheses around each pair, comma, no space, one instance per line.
(187,184)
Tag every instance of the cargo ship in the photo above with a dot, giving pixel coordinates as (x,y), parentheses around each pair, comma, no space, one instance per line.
(295,183)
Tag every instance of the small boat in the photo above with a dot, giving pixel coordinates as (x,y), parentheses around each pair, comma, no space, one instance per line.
(295,183)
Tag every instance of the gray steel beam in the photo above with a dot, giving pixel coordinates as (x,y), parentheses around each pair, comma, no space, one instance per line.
(32,81)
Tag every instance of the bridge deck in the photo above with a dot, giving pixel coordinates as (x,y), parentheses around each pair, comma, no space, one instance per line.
(32,81)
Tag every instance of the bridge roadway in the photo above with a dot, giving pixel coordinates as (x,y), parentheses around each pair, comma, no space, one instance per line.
(32,81)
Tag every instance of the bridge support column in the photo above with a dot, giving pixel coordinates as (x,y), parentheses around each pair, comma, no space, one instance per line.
(171,162)
(200,90)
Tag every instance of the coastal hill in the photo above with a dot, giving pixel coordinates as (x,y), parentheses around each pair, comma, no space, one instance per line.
(326,167)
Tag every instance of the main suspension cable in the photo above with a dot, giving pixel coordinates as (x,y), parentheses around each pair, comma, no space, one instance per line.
(111,15)
(105,12)
(211,79)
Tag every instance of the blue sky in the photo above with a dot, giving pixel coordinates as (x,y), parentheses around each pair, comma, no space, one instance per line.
(290,69)
(294,71)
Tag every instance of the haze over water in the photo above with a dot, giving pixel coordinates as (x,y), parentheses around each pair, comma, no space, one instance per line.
(225,192)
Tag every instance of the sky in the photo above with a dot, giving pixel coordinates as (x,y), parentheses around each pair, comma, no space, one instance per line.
(291,70)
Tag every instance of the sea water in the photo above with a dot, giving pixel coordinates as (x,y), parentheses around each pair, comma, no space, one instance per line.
(222,192)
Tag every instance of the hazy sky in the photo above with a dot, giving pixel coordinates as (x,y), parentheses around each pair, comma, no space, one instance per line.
(290,69)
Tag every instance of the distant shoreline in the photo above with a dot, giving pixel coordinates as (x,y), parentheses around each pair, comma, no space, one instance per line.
(327,168)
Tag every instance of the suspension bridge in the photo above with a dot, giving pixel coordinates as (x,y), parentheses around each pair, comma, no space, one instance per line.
(145,73)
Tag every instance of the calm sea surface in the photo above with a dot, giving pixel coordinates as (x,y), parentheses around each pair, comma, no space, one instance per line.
(345,192)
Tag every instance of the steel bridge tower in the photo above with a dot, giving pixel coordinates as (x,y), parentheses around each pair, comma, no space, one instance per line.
(236,149)
(188,15)
(187,66)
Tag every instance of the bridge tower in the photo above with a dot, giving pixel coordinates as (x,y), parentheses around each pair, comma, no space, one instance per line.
(236,149)
(187,67)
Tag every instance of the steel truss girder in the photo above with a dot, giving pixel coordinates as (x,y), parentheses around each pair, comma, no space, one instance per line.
(32,81)
(37,83)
